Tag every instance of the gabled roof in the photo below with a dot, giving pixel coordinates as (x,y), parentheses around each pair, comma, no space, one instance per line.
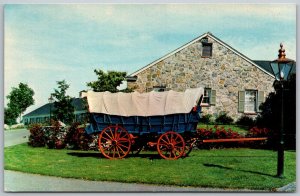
(45,109)
(266,65)
(208,34)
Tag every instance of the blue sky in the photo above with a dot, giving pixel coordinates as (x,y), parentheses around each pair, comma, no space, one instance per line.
(47,43)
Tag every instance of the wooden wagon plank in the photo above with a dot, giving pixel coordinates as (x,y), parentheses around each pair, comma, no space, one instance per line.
(234,140)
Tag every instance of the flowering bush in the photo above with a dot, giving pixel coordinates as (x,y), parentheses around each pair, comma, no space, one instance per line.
(36,137)
(221,133)
(217,133)
(258,132)
(76,138)
(54,135)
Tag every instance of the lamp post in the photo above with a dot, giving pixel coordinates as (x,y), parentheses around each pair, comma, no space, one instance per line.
(51,100)
(282,68)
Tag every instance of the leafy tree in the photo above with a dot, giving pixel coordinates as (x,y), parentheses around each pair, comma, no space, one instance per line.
(63,108)
(108,81)
(271,111)
(10,116)
(20,99)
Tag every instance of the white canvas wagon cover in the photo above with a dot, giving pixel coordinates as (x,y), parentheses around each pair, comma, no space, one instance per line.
(143,104)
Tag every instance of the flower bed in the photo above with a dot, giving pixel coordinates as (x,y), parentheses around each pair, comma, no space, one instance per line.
(219,132)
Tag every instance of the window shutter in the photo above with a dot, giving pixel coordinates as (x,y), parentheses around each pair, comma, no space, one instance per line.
(213,97)
(241,106)
(260,99)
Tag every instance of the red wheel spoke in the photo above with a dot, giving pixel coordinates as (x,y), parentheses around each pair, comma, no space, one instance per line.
(114,142)
(166,136)
(122,140)
(123,145)
(170,145)
(177,150)
(107,139)
(116,132)
(119,134)
(164,141)
(112,134)
(118,151)
(176,138)
(114,152)
(172,152)
(180,142)
(107,135)
(121,149)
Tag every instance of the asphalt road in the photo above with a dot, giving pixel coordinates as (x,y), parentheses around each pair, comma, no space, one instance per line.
(14,137)
(22,182)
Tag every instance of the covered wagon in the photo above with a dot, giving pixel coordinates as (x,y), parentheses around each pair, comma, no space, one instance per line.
(128,121)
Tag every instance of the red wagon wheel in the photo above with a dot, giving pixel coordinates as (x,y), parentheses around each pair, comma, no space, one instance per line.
(114,142)
(170,145)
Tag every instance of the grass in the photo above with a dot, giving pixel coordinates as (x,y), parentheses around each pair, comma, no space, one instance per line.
(222,168)
(236,128)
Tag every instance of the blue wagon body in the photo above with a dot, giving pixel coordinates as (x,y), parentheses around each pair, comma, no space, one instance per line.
(171,134)
(144,125)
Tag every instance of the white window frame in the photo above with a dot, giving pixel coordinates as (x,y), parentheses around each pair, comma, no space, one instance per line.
(250,101)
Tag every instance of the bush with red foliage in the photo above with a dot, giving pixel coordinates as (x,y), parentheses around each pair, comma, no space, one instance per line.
(258,132)
(221,133)
(54,135)
(76,138)
(36,137)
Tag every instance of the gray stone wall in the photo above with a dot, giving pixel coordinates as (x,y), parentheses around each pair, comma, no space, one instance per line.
(225,72)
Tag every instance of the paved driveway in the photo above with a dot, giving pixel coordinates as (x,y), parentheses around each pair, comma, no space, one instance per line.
(14,137)
(22,182)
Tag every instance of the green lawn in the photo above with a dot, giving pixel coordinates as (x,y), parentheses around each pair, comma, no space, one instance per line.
(222,168)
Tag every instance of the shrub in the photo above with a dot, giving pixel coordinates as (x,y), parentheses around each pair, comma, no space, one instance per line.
(245,120)
(206,119)
(204,134)
(36,137)
(76,138)
(258,132)
(224,119)
(54,135)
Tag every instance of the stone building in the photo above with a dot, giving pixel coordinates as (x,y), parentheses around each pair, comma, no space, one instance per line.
(233,83)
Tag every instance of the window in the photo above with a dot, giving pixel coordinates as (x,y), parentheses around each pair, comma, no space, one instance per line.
(250,100)
(206,96)
(209,97)
(206,49)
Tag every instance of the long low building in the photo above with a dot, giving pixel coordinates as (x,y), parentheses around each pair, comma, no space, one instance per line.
(42,114)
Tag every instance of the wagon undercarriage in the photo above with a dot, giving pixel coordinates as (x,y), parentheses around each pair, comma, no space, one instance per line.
(115,142)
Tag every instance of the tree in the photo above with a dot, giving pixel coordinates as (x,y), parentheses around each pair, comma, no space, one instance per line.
(108,81)
(10,116)
(271,111)
(19,100)
(63,108)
